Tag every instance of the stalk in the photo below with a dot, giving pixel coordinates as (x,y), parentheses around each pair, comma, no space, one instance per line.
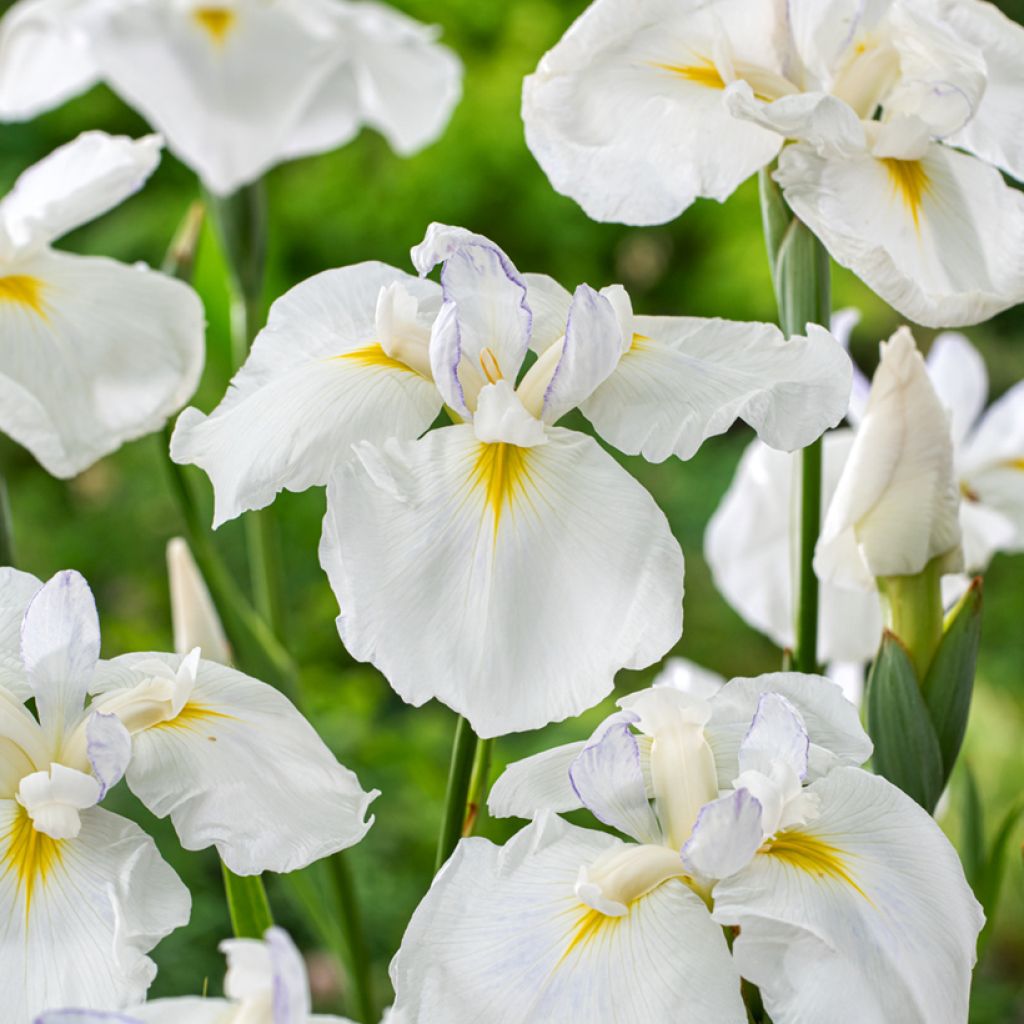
(456,797)
(247,904)
(350,919)
(800,273)
(478,782)
(6,528)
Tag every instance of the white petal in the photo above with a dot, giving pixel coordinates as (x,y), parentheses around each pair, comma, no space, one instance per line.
(960,379)
(520,947)
(227,100)
(940,239)
(443,240)
(316,381)
(44,58)
(537,783)
(832,722)
(777,733)
(408,83)
(74,185)
(726,836)
(271,969)
(686,379)
(193,616)
(509,583)
(53,799)
(896,506)
(689,677)
(823,31)
(500,417)
(109,749)
(242,770)
(549,302)
(840,921)
(996,132)
(16,592)
(185,1010)
(986,530)
(608,776)
(60,645)
(88,1017)
(627,113)
(95,905)
(104,354)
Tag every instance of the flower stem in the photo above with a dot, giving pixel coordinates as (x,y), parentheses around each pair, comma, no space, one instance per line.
(479,780)
(358,961)
(6,528)
(800,272)
(456,797)
(247,904)
(913,606)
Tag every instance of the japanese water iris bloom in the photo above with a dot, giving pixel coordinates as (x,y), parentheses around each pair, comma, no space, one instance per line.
(228,758)
(266,983)
(890,122)
(739,815)
(236,86)
(95,352)
(509,566)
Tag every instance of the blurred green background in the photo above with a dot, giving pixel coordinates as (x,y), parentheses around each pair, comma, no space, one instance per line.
(362,203)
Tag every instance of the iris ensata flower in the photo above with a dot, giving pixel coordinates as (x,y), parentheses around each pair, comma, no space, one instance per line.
(236,86)
(95,352)
(227,757)
(266,983)
(509,566)
(740,815)
(890,121)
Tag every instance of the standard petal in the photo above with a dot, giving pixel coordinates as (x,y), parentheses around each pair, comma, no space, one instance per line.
(44,58)
(227,94)
(690,678)
(725,837)
(317,380)
(74,185)
(839,919)
(750,547)
(521,947)
(549,302)
(60,645)
(16,592)
(95,905)
(240,769)
(777,734)
(941,239)
(832,722)
(509,583)
(960,379)
(685,379)
(97,354)
(627,113)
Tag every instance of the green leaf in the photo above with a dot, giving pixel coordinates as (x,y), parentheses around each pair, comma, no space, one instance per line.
(906,747)
(991,883)
(247,904)
(949,682)
(972,840)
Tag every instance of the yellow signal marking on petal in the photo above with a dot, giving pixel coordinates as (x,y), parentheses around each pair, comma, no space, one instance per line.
(639,342)
(192,716)
(592,927)
(1015,464)
(490,366)
(30,855)
(502,472)
(216,22)
(374,355)
(23,290)
(705,73)
(910,183)
(812,854)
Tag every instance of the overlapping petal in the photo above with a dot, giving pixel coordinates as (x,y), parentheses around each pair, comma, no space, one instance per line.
(520,943)
(317,380)
(509,583)
(16,592)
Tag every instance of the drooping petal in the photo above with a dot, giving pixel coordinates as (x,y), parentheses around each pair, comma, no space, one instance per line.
(608,777)
(839,919)
(95,353)
(317,380)
(896,506)
(240,769)
(227,93)
(74,185)
(95,905)
(537,783)
(44,58)
(16,592)
(940,238)
(750,547)
(509,583)
(726,836)
(685,379)
(60,645)
(521,947)
(832,722)
(627,113)
(960,379)
(94,1017)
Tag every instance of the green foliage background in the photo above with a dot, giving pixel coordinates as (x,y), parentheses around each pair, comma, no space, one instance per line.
(362,203)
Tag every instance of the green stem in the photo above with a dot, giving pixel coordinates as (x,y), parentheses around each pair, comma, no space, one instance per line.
(6,528)
(800,272)
(914,613)
(247,904)
(352,926)
(479,782)
(459,773)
